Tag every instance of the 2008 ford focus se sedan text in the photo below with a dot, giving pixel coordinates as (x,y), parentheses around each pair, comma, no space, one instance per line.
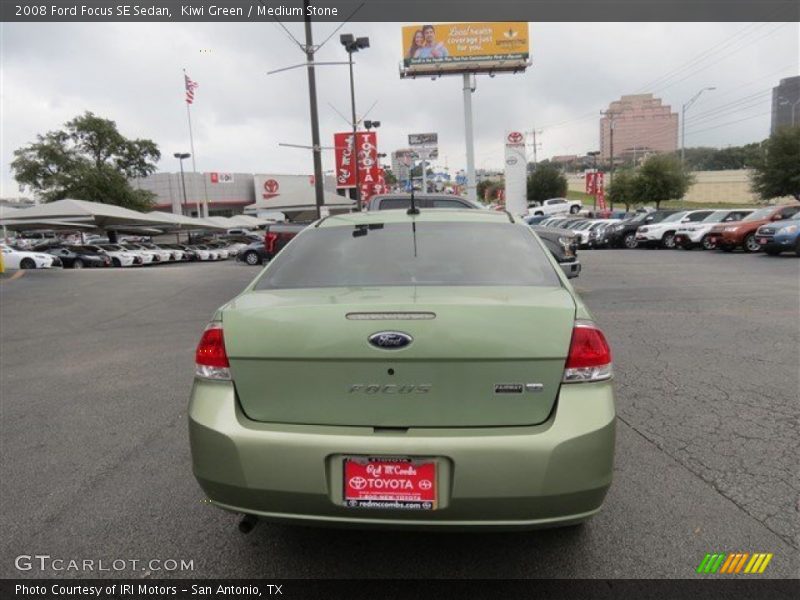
(428,370)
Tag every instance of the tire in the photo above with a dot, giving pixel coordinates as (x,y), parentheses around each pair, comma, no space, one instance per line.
(252,258)
(115,262)
(668,241)
(27,263)
(708,244)
(538,213)
(750,244)
(77,264)
(629,241)
(797,247)
(573,210)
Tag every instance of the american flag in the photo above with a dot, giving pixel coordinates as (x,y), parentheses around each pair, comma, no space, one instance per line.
(190,87)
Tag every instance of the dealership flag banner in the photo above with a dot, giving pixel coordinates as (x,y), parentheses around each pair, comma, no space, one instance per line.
(368,169)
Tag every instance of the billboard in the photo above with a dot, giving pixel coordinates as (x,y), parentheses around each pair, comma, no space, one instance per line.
(465,48)
(423,139)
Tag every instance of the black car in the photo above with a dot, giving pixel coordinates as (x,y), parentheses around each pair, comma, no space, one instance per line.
(623,235)
(78,257)
(253,254)
(562,246)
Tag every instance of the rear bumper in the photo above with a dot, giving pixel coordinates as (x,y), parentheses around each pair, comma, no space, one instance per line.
(556,473)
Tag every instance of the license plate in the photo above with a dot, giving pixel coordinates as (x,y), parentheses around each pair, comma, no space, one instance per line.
(393,483)
(762,240)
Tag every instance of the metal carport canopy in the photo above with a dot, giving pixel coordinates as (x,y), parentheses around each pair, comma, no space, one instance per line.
(82,212)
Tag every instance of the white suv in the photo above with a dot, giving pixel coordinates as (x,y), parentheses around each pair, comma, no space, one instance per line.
(663,233)
(696,234)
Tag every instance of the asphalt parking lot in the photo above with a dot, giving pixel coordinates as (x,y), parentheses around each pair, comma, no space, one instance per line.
(96,367)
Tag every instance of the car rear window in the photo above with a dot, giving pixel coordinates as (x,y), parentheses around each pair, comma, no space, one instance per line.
(408,254)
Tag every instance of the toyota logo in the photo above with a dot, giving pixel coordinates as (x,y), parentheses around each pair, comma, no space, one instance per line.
(425,484)
(271,186)
(390,340)
(358,483)
(515,137)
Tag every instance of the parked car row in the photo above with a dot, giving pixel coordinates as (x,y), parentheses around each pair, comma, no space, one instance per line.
(774,229)
(55,252)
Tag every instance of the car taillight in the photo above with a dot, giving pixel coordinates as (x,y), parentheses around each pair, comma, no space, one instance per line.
(270,240)
(589,356)
(211,360)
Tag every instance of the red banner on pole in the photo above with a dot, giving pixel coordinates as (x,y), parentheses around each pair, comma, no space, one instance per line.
(345,161)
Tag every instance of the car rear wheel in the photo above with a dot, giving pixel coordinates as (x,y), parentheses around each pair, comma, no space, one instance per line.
(708,244)
(797,247)
(27,263)
(251,258)
(630,241)
(750,243)
(77,264)
(116,262)
(668,241)
(573,210)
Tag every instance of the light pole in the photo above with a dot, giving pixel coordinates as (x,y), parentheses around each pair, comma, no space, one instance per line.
(352,44)
(181,156)
(684,108)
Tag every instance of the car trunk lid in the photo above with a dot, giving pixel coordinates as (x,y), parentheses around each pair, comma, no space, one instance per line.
(479,356)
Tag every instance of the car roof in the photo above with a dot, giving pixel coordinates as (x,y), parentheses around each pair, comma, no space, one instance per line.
(401,215)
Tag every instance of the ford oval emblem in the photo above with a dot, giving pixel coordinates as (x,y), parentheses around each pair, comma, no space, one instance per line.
(390,340)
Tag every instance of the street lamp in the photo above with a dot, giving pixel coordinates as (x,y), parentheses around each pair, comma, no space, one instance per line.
(181,156)
(352,44)
(683,119)
(371,124)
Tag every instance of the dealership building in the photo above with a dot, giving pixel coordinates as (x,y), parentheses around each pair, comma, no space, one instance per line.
(229,194)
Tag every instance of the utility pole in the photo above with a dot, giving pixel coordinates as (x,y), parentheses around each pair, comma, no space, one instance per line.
(312,95)
(536,144)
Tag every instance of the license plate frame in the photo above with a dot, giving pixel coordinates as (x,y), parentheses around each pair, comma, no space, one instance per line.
(390,482)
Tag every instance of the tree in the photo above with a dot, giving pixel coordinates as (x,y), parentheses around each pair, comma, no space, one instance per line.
(777,171)
(662,177)
(546,182)
(88,160)
(622,190)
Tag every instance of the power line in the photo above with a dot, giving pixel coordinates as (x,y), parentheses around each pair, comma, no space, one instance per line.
(731,122)
(700,57)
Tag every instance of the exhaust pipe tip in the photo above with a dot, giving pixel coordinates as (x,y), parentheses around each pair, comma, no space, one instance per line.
(248,523)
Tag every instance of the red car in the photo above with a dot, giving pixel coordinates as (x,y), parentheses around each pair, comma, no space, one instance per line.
(729,236)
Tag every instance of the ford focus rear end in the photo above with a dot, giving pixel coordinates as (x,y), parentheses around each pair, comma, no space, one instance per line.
(382,372)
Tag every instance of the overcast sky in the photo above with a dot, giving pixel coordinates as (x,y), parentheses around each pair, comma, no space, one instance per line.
(131,73)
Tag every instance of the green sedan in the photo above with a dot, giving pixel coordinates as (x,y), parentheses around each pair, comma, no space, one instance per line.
(432,370)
